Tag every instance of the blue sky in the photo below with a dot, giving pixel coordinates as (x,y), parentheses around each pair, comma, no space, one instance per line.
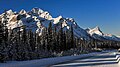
(87,13)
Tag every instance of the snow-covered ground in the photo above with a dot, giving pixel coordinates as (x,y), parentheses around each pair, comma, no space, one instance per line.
(44,62)
(107,59)
(101,59)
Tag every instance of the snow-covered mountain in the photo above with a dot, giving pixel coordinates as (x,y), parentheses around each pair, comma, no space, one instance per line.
(95,30)
(118,36)
(37,19)
(98,34)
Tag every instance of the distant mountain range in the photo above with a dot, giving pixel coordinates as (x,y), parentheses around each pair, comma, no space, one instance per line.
(37,20)
(98,34)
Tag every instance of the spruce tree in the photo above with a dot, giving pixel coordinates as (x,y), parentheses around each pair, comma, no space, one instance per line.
(1,42)
(72,38)
(4,36)
(50,36)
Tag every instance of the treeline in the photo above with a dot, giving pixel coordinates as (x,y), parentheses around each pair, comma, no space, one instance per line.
(108,44)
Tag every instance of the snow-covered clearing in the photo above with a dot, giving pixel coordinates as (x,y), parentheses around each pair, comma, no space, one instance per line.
(44,62)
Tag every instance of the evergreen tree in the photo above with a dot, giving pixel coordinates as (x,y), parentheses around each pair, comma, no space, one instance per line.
(55,39)
(4,37)
(72,38)
(1,43)
(31,40)
(1,33)
(44,39)
(61,37)
(64,41)
(50,36)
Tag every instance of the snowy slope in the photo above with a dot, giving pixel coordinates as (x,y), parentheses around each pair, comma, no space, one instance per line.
(98,34)
(37,20)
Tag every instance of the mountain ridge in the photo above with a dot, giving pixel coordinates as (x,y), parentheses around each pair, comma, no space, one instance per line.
(38,19)
(98,34)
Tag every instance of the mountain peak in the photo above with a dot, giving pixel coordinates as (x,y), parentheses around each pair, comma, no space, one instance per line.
(95,30)
(56,20)
(22,11)
(10,12)
(37,10)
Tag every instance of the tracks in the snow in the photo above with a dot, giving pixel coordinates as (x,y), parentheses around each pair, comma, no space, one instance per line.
(110,59)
